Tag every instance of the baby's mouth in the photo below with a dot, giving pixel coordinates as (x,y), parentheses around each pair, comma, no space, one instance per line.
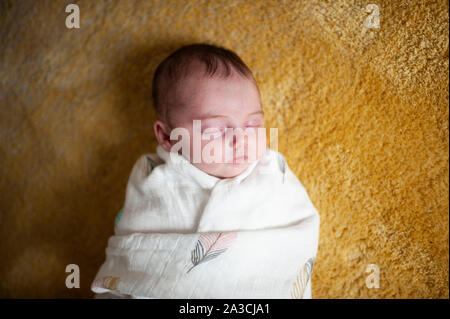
(239,160)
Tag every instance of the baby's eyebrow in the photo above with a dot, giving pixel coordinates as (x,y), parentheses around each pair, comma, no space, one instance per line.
(257,112)
(210,116)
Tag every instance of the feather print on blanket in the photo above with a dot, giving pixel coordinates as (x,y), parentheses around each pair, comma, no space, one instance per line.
(211,245)
(303,277)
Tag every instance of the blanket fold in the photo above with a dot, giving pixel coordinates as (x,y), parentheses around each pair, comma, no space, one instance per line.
(186,234)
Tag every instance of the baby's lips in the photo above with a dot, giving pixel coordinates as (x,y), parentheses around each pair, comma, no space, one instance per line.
(241,159)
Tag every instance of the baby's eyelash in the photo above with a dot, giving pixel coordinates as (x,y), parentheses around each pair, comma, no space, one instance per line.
(214,128)
(253,124)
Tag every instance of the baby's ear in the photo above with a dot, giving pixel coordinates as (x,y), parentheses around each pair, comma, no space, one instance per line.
(162,134)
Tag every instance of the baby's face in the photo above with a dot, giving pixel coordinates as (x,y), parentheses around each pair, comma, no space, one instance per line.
(223,105)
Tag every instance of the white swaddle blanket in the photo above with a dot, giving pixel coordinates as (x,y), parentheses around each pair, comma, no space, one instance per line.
(187,234)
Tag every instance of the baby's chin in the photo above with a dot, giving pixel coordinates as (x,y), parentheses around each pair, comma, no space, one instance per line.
(226,170)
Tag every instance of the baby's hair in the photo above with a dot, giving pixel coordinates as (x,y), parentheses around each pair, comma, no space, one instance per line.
(176,66)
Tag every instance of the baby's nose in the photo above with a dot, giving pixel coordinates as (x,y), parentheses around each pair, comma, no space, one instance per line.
(237,137)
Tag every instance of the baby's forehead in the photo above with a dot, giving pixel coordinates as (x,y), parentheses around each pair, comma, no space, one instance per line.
(193,93)
(220,105)
(198,84)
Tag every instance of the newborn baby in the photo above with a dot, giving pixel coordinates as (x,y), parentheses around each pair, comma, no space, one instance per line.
(214,213)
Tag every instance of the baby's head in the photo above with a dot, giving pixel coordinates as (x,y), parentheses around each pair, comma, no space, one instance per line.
(211,84)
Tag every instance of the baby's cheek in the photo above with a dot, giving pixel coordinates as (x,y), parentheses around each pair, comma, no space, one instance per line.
(262,143)
(259,144)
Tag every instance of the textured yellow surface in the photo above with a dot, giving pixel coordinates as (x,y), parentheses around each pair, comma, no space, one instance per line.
(362,117)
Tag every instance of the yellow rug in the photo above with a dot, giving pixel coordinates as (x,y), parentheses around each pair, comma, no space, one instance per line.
(361,109)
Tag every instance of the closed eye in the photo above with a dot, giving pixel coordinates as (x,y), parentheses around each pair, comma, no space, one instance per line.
(213,129)
(214,132)
(256,124)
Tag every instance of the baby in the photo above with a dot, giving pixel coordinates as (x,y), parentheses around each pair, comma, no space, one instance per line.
(214,213)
